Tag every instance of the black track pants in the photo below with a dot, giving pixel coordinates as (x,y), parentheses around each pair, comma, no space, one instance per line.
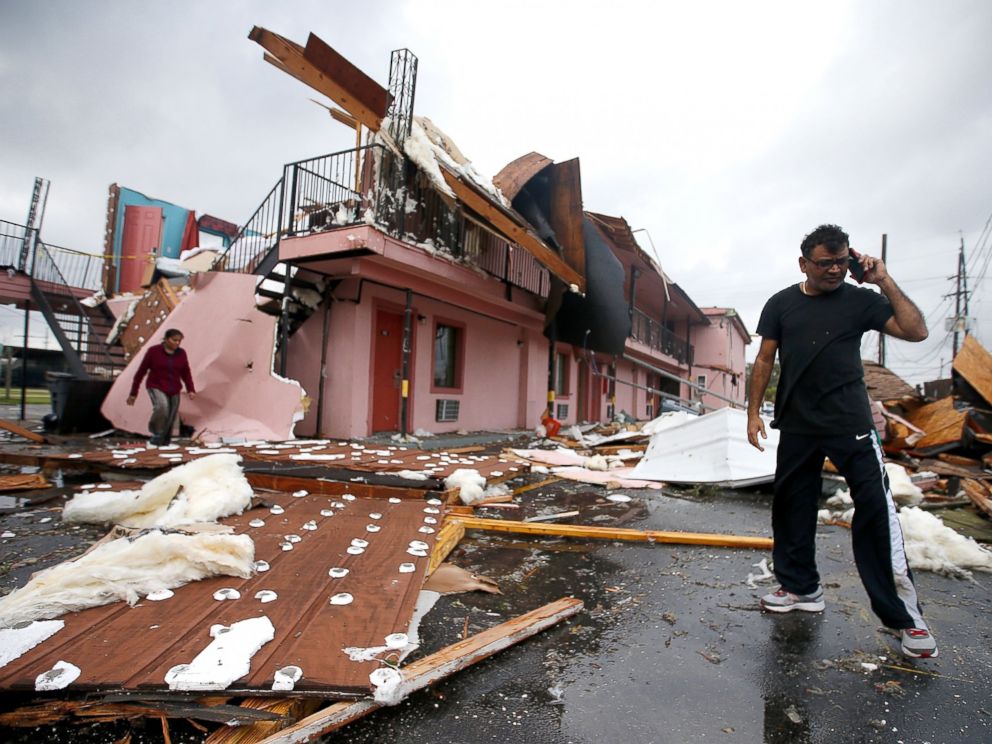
(876,532)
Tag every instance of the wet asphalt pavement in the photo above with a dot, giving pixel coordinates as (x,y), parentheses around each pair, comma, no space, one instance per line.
(670,647)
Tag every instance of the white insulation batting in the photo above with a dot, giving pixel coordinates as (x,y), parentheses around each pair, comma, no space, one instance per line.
(200,491)
(127,568)
(933,546)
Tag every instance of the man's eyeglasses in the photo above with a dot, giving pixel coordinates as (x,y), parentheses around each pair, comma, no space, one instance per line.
(827,263)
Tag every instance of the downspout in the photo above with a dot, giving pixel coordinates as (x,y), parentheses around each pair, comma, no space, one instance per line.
(405,374)
(552,349)
(284,324)
(24,359)
(323,361)
(634,273)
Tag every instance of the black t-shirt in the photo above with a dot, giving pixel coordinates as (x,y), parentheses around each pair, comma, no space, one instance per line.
(821,390)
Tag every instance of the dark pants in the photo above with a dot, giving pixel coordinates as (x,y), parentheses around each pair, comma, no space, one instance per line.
(876,533)
(164,410)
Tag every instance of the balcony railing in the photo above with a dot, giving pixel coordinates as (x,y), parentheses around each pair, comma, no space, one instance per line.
(60,265)
(657,337)
(12,239)
(371,184)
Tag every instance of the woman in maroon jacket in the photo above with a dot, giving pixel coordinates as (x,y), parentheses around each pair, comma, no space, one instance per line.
(167,367)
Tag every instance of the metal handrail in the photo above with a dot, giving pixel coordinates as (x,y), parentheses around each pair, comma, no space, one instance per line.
(258,237)
(656,336)
(46,271)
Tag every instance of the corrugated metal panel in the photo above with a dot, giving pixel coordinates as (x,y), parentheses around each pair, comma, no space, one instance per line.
(118,647)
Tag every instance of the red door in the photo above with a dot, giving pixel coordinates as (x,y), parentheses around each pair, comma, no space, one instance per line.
(589,395)
(387,370)
(142,235)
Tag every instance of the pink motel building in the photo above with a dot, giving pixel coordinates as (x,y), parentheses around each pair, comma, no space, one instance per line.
(416,296)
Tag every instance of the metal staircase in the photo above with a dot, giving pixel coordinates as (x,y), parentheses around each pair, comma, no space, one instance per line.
(81,331)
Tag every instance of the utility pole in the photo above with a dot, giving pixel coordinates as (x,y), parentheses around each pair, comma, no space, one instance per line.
(881,336)
(960,322)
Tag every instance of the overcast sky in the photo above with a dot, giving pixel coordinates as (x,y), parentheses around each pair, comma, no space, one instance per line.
(728,130)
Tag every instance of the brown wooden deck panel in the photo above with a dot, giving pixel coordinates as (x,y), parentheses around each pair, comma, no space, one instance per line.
(119,648)
(369,460)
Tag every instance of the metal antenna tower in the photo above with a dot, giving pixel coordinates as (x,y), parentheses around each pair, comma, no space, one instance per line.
(36,215)
(402,88)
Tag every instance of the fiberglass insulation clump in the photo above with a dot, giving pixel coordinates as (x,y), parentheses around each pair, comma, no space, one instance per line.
(128,568)
(200,491)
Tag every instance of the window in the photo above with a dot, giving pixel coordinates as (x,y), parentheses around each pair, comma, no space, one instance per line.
(699,391)
(447,356)
(561,374)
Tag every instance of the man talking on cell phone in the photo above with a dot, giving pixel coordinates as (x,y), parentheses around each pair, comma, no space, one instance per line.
(822,410)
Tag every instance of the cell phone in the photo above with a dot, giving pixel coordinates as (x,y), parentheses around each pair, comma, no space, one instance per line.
(856,269)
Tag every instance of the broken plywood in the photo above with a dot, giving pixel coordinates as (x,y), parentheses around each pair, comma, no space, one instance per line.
(118,647)
(150,312)
(974,363)
(941,421)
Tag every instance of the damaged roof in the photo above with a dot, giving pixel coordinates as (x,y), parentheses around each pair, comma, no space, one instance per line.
(118,647)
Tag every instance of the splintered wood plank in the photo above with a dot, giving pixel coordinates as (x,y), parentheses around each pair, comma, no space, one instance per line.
(447,538)
(352,80)
(942,423)
(517,233)
(21,431)
(615,533)
(979,495)
(289,710)
(23,482)
(292,58)
(437,666)
(974,364)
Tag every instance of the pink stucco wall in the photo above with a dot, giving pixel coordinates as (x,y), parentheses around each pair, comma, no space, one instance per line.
(504,372)
(719,347)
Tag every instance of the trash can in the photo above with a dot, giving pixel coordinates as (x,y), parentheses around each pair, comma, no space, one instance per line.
(76,404)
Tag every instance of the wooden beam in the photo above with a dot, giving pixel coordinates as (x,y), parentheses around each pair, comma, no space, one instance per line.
(437,666)
(979,494)
(615,533)
(473,199)
(350,78)
(21,431)
(290,483)
(448,537)
(292,61)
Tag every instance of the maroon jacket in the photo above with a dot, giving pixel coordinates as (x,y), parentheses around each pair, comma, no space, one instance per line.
(165,371)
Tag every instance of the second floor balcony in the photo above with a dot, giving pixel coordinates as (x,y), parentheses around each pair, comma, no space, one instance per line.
(656,336)
(371,185)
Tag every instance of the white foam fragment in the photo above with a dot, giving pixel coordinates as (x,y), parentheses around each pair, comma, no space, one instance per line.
(58,677)
(14,642)
(286,678)
(388,685)
(226,659)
